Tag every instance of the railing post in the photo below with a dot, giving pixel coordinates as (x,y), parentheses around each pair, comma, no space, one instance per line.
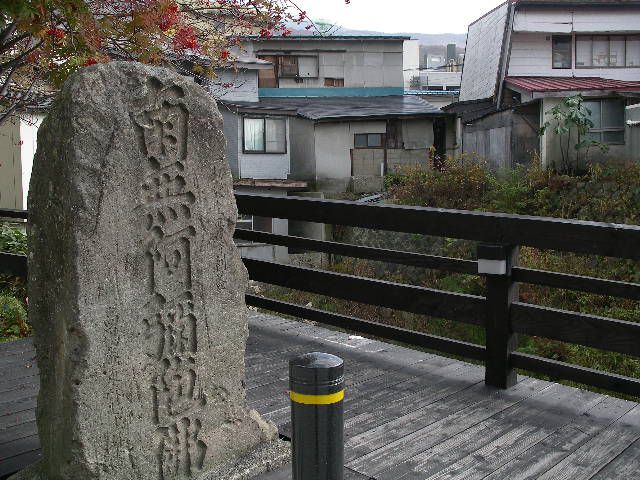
(317,416)
(496,262)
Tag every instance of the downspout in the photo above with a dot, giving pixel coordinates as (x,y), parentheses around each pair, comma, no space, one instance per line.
(506,52)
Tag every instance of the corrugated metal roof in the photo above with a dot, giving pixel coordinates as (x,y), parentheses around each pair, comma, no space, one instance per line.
(566,84)
(340,108)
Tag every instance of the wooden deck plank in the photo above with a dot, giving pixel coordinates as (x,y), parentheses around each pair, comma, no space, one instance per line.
(17,383)
(480,450)
(594,455)
(394,442)
(19,462)
(624,467)
(544,455)
(409,415)
(19,446)
(15,433)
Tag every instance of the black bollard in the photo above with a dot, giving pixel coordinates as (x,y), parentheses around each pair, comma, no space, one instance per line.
(317,416)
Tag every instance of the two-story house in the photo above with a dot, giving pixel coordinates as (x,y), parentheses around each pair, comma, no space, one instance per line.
(525,56)
(312,115)
(330,111)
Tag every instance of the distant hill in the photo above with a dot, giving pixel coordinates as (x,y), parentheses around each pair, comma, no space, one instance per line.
(424,38)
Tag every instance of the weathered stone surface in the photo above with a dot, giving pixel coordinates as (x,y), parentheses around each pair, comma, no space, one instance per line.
(136,288)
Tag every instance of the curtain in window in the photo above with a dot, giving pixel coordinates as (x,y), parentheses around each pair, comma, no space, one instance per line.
(276,135)
(254,134)
(633,51)
(617,52)
(600,51)
(584,56)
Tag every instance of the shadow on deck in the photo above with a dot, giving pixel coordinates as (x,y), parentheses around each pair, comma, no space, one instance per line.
(409,414)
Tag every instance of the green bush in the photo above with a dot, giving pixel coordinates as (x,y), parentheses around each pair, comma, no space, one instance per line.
(606,194)
(13,318)
(12,240)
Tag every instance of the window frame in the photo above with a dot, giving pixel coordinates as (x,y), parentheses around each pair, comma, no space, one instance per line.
(280,63)
(602,130)
(264,135)
(595,35)
(571,51)
(383,141)
(333,81)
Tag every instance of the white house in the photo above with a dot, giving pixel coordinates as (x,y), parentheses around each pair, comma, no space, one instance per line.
(18,138)
(525,56)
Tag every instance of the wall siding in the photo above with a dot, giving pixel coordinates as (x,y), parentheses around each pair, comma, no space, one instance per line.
(531,56)
(241,85)
(582,19)
(362,64)
(482,59)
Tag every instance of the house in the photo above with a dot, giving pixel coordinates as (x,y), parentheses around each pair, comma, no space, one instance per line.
(526,56)
(330,111)
(323,116)
(18,136)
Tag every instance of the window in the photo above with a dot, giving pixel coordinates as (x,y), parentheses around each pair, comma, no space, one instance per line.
(268,78)
(367,140)
(633,51)
(561,51)
(334,82)
(288,67)
(608,120)
(264,135)
(607,51)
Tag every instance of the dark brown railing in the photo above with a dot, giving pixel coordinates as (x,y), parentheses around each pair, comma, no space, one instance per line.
(499,312)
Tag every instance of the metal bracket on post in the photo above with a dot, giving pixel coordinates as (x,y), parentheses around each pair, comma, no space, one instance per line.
(495,263)
(317,416)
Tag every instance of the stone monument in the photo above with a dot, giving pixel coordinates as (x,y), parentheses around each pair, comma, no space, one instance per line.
(136,289)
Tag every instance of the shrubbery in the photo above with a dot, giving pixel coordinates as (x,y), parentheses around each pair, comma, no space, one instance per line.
(13,294)
(13,318)
(607,194)
(600,194)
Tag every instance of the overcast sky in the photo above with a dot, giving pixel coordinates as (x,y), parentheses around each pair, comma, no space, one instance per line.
(392,16)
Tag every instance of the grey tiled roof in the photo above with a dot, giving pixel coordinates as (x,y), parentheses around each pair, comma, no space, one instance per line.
(339,108)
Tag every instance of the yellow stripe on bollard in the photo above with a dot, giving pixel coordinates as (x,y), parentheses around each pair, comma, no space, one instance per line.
(317,399)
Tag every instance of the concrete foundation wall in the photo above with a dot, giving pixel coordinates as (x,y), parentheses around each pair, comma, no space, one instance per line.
(368,161)
(397,159)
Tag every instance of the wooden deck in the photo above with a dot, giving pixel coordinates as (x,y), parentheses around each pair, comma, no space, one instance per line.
(409,415)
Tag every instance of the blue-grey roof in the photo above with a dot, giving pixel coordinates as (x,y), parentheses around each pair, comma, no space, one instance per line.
(345,108)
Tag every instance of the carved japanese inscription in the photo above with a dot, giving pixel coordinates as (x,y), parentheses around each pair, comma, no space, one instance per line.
(136,288)
(171,316)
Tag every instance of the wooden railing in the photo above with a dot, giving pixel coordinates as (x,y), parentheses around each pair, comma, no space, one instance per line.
(499,312)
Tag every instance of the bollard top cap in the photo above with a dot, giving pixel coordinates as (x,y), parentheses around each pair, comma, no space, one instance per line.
(316,369)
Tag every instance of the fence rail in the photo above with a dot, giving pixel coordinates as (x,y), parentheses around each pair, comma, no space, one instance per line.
(499,311)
